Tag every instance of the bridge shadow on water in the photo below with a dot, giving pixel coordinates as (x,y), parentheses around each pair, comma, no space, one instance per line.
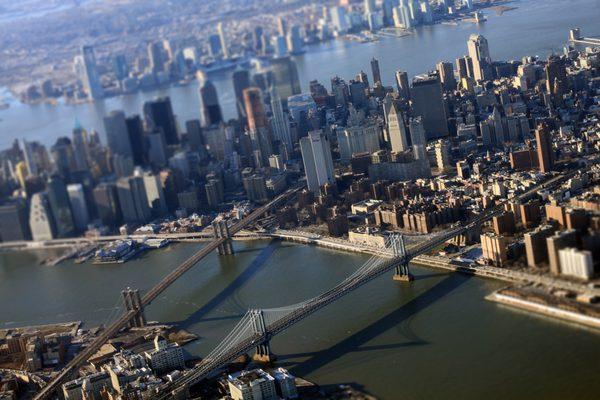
(256,265)
(356,342)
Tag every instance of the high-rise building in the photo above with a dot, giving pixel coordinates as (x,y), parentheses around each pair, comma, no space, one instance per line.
(241,81)
(80,148)
(295,43)
(107,203)
(155,194)
(281,122)
(117,136)
(209,103)
(258,125)
(577,263)
(58,200)
(224,47)
(41,220)
(14,221)
(543,138)
(158,114)
(214,46)
(403,85)
(446,72)
(428,102)
(91,78)
(81,216)
(479,52)
(316,156)
(194,135)
(557,242)
(494,248)
(375,70)
(137,139)
(133,200)
(339,19)
(396,129)
(156,57)
(284,77)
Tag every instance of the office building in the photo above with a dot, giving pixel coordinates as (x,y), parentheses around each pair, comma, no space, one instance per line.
(479,53)
(209,103)
(58,199)
(155,194)
(403,85)
(224,47)
(81,216)
(158,114)
(14,221)
(545,153)
(91,78)
(284,78)
(396,130)
(241,81)
(137,139)
(446,73)
(133,200)
(428,102)
(107,204)
(280,122)
(117,136)
(318,163)
(41,220)
(376,72)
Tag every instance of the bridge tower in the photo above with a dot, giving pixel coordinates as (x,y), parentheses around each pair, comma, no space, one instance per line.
(132,301)
(263,351)
(221,230)
(402,270)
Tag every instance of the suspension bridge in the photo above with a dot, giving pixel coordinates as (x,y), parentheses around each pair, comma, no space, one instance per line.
(258,326)
(222,243)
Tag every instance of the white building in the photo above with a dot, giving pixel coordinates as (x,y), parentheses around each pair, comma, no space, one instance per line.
(316,156)
(577,263)
(165,357)
(252,385)
(358,139)
(285,384)
(81,216)
(41,221)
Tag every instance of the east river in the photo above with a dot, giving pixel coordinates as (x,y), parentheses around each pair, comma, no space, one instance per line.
(436,338)
(535,27)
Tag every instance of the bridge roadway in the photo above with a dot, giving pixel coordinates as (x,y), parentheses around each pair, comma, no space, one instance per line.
(208,366)
(153,293)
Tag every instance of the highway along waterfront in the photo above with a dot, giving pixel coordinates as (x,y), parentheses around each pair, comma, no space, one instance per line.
(436,337)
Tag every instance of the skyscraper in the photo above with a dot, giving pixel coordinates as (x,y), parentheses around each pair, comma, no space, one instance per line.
(209,103)
(80,148)
(156,57)
(117,137)
(446,72)
(284,77)
(280,122)
(403,85)
(396,130)
(479,52)
(428,102)
(14,223)
(41,220)
(158,114)
(543,138)
(81,216)
(316,156)
(241,81)
(258,124)
(58,200)
(224,48)
(137,139)
(107,204)
(375,71)
(91,79)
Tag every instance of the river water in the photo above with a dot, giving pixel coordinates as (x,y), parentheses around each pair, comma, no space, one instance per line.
(431,339)
(536,27)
